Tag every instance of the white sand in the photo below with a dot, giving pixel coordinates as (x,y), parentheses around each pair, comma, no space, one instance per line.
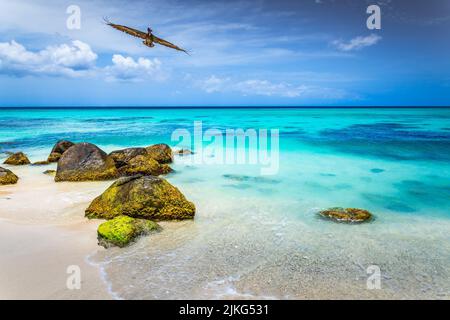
(42,232)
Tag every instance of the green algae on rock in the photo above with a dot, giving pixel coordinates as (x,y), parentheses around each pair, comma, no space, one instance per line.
(85,162)
(7,177)
(160,152)
(17,159)
(122,157)
(144,165)
(350,215)
(58,150)
(132,161)
(146,197)
(122,230)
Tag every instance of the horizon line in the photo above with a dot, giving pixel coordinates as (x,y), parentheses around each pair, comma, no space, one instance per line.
(223,107)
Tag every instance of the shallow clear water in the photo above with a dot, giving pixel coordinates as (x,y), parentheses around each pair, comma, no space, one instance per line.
(259,236)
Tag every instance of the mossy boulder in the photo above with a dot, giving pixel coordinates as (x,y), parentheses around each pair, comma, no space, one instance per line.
(58,150)
(160,152)
(122,230)
(85,162)
(144,165)
(122,157)
(349,215)
(7,177)
(146,197)
(134,161)
(17,159)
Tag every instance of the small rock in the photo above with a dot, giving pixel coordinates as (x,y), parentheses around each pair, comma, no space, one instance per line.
(122,230)
(41,163)
(7,177)
(50,172)
(17,159)
(350,215)
(184,152)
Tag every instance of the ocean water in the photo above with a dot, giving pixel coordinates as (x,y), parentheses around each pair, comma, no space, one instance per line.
(258,236)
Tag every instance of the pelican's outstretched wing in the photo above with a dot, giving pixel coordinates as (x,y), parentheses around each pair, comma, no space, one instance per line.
(168,44)
(130,31)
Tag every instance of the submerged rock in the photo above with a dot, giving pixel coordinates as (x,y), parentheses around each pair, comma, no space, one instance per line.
(122,230)
(7,177)
(85,162)
(351,215)
(160,152)
(146,197)
(58,150)
(17,159)
(245,178)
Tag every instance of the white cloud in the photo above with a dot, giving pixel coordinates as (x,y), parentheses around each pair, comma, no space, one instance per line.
(214,84)
(64,60)
(75,60)
(128,69)
(357,43)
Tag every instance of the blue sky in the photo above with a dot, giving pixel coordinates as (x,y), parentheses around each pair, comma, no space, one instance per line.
(250,53)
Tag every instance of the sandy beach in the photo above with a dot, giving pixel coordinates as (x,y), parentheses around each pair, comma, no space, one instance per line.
(253,237)
(38,244)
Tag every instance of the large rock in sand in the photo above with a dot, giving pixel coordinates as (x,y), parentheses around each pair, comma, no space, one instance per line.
(160,152)
(144,165)
(122,157)
(85,162)
(7,177)
(145,197)
(58,150)
(17,159)
(134,161)
(122,230)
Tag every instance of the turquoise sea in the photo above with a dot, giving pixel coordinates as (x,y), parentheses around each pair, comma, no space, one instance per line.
(259,236)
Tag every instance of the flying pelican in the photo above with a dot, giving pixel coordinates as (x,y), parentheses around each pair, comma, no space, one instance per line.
(149,38)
